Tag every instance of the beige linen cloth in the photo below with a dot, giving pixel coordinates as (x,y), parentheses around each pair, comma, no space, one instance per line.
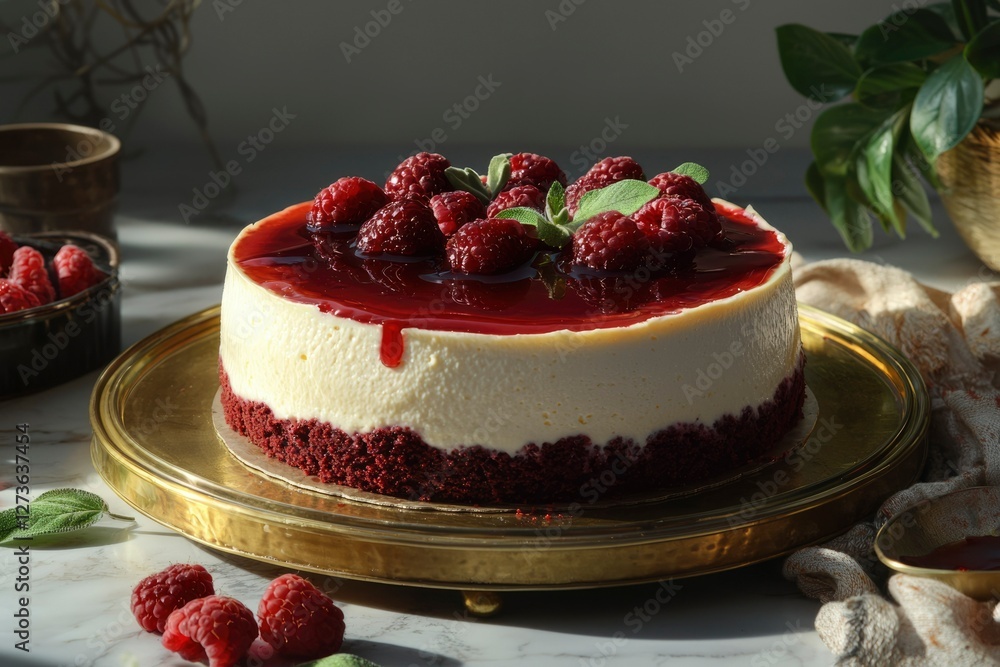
(954,340)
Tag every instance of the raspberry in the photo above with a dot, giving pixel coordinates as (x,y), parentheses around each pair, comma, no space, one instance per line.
(454,209)
(490,246)
(298,620)
(604,173)
(679,185)
(7,248)
(521,195)
(75,270)
(28,271)
(610,241)
(403,227)
(218,628)
(13,297)
(347,201)
(534,169)
(156,596)
(677,225)
(420,174)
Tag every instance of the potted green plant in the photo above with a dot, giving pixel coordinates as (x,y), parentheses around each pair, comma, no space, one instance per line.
(913,108)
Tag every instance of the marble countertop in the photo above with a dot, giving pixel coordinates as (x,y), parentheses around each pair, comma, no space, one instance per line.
(79,590)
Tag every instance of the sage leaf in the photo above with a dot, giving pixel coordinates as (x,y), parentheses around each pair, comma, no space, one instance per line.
(498,173)
(523,214)
(946,107)
(695,171)
(468,180)
(626,197)
(339,660)
(816,65)
(555,200)
(59,511)
(552,234)
(904,36)
(983,51)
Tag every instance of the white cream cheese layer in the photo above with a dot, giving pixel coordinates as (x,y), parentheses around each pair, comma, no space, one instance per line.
(503,392)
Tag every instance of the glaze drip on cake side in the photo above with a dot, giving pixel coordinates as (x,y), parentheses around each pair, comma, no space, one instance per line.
(496,375)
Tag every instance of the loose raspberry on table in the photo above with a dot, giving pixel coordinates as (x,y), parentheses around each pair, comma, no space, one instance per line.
(13,297)
(490,246)
(298,620)
(677,225)
(28,271)
(606,172)
(7,248)
(454,209)
(75,270)
(610,241)
(534,169)
(521,195)
(403,227)
(156,596)
(680,185)
(348,201)
(420,174)
(217,628)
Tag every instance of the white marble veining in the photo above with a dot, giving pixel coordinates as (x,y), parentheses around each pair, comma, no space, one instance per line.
(80,587)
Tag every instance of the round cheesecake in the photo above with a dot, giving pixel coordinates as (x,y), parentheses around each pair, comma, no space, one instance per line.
(547,385)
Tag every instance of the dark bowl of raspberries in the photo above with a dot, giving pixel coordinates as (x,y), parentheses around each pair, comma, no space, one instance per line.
(60,308)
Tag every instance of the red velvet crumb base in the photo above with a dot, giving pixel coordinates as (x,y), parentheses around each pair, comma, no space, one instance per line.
(396,462)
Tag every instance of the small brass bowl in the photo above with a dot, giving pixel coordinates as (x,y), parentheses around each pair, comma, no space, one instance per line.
(55,176)
(916,531)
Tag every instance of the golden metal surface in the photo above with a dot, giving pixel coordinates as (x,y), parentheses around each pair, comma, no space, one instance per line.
(933,523)
(155,445)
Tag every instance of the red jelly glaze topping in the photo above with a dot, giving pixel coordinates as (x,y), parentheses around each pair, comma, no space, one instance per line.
(981,552)
(280,255)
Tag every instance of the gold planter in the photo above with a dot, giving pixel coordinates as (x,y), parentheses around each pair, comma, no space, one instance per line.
(970,173)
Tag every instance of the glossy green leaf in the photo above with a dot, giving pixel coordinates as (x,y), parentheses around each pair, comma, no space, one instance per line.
(905,35)
(947,12)
(815,184)
(970,16)
(838,133)
(983,51)
(890,86)
(848,216)
(946,107)
(909,190)
(877,159)
(815,64)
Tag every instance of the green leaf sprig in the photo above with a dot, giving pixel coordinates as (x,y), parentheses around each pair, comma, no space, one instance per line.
(339,660)
(497,175)
(556,226)
(917,79)
(56,511)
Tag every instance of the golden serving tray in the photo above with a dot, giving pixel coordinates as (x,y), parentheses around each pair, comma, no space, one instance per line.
(156,446)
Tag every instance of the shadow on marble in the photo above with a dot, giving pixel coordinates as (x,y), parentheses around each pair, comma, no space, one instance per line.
(755,601)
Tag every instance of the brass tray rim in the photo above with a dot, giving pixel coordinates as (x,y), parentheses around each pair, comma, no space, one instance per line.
(913,425)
